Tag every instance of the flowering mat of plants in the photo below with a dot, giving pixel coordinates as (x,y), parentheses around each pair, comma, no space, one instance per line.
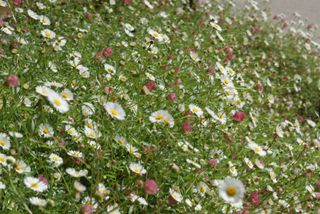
(157,107)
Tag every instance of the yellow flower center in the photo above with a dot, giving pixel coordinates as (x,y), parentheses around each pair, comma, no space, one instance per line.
(231,191)
(166,121)
(238,102)
(114,112)
(195,110)
(202,189)
(57,102)
(159,117)
(2,159)
(2,142)
(65,95)
(47,34)
(257,149)
(55,158)
(46,131)
(18,167)
(226,81)
(136,170)
(35,185)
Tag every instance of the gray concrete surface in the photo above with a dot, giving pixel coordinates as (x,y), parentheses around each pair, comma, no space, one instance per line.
(308,9)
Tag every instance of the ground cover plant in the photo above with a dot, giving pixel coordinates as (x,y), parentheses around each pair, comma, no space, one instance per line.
(157,107)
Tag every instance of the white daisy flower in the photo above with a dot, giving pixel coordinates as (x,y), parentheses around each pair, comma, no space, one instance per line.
(43,90)
(45,20)
(102,191)
(75,154)
(4,141)
(22,167)
(162,116)
(3,3)
(115,110)
(256,148)
(45,130)
(196,110)
(3,159)
(67,95)
(137,168)
(175,195)
(120,140)
(33,15)
(35,184)
(91,133)
(58,102)
(59,43)
(55,160)
(232,169)
(202,188)
(38,201)
(77,174)
(113,209)
(231,190)
(155,35)
(87,109)
(110,69)
(133,150)
(194,56)
(49,34)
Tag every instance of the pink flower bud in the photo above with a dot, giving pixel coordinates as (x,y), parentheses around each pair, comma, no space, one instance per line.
(151,85)
(17,2)
(213,162)
(99,56)
(211,70)
(186,127)
(13,81)
(107,52)
(239,116)
(228,50)
(43,179)
(150,187)
(255,198)
(317,195)
(89,16)
(171,96)
(260,87)
(87,209)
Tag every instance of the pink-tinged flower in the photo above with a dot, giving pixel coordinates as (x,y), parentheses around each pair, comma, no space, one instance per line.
(13,81)
(17,2)
(318,185)
(228,49)
(309,173)
(127,2)
(150,187)
(186,127)
(231,56)
(87,209)
(107,52)
(255,198)
(171,96)
(99,56)
(211,70)
(89,16)
(213,162)
(151,86)
(239,116)
(317,194)
(260,87)
(108,90)
(43,179)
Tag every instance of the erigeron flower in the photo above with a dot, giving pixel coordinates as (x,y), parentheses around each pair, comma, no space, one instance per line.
(194,56)
(231,190)
(87,109)
(33,15)
(256,148)
(133,150)
(79,186)
(129,29)
(72,131)
(162,116)
(77,174)
(196,110)
(75,154)
(120,140)
(35,184)
(43,90)
(155,35)
(137,168)
(4,141)
(113,209)
(3,159)
(175,195)
(220,117)
(21,167)
(202,188)
(248,162)
(232,169)
(115,110)
(58,102)
(102,191)
(45,130)
(44,20)
(92,133)
(110,69)
(49,34)
(55,160)
(59,43)
(134,197)
(38,201)
(67,95)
